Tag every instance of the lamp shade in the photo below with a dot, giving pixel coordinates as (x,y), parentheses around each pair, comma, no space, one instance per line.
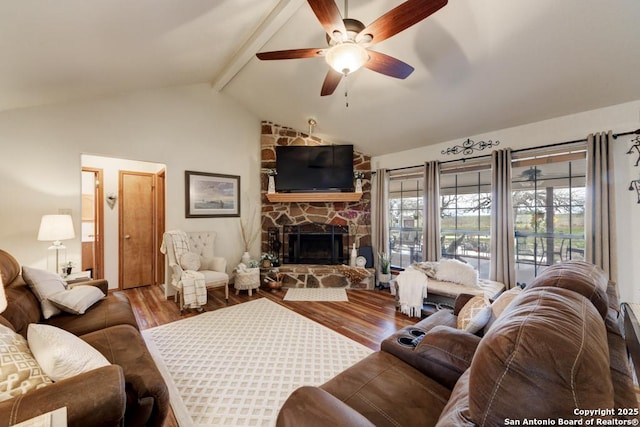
(54,228)
(346,57)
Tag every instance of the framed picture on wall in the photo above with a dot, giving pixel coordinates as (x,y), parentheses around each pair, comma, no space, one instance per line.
(211,195)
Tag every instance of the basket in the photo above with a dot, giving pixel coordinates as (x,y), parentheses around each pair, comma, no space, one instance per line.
(248,280)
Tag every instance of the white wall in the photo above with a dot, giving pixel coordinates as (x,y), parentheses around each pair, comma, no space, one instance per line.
(185,128)
(619,118)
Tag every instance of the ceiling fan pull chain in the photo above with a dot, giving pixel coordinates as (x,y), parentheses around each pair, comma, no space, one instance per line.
(346,91)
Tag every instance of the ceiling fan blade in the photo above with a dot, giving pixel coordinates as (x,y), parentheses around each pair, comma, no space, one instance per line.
(291,54)
(388,65)
(330,82)
(329,16)
(398,19)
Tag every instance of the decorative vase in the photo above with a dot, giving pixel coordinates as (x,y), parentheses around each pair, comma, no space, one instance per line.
(384,277)
(358,185)
(272,185)
(354,255)
(246,257)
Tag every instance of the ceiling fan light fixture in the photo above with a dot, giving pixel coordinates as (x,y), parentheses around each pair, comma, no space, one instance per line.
(346,57)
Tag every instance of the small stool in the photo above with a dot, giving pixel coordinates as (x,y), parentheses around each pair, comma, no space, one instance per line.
(248,280)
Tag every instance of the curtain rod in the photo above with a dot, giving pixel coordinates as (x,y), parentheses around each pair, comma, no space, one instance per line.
(556,144)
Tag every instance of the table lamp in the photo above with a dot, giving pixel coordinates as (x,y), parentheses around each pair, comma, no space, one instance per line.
(56,228)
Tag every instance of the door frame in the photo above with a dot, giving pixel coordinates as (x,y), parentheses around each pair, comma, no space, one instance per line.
(98,222)
(160,208)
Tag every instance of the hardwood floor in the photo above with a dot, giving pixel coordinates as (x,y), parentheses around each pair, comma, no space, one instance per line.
(368,317)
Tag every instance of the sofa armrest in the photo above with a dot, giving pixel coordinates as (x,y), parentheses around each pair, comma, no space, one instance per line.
(445,353)
(101,284)
(95,398)
(315,407)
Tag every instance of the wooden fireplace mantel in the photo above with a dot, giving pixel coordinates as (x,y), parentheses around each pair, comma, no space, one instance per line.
(313,197)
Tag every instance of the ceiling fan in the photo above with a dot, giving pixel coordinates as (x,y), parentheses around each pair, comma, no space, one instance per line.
(349,40)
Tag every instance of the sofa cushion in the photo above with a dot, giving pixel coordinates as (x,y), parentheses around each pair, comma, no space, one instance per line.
(475,314)
(389,392)
(586,279)
(456,413)
(115,309)
(61,354)
(147,392)
(43,284)
(553,344)
(19,370)
(76,300)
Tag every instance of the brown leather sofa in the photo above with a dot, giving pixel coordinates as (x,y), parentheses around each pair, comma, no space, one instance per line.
(556,352)
(129,392)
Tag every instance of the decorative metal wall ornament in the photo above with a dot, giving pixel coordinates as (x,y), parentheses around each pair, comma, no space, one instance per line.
(635,184)
(636,146)
(469,146)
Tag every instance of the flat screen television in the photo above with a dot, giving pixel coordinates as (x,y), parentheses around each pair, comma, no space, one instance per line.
(320,168)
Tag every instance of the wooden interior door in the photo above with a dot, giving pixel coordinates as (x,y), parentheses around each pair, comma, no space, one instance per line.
(92,222)
(137,230)
(160,225)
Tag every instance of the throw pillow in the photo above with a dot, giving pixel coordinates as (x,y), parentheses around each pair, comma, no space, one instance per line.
(44,283)
(62,354)
(430,268)
(19,370)
(77,299)
(475,314)
(503,301)
(452,270)
(190,261)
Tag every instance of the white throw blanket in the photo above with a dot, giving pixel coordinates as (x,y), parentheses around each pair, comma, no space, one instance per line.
(412,290)
(194,289)
(192,283)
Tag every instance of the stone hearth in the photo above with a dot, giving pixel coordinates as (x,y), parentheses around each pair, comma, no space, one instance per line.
(321,276)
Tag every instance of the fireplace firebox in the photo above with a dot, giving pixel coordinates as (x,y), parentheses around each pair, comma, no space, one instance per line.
(314,243)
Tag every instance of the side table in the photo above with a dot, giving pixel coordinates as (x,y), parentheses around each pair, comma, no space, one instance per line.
(247,280)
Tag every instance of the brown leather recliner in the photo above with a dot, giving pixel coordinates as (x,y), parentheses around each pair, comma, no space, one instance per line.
(550,354)
(129,392)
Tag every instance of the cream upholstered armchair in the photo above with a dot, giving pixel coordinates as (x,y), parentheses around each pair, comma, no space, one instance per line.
(198,255)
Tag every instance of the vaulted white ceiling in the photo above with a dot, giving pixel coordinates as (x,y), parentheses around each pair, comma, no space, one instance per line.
(480,65)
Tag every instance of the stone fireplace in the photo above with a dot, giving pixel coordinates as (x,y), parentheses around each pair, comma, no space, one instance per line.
(286,225)
(313,243)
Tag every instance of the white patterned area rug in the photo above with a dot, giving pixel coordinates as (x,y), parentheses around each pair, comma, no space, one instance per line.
(316,294)
(236,366)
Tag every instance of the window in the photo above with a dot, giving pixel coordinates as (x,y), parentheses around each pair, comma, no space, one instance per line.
(549,202)
(548,189)
(405,218)
(465,206)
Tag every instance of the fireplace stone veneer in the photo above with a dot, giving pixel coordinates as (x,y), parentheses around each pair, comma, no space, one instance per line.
(321,276)
(354,216)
